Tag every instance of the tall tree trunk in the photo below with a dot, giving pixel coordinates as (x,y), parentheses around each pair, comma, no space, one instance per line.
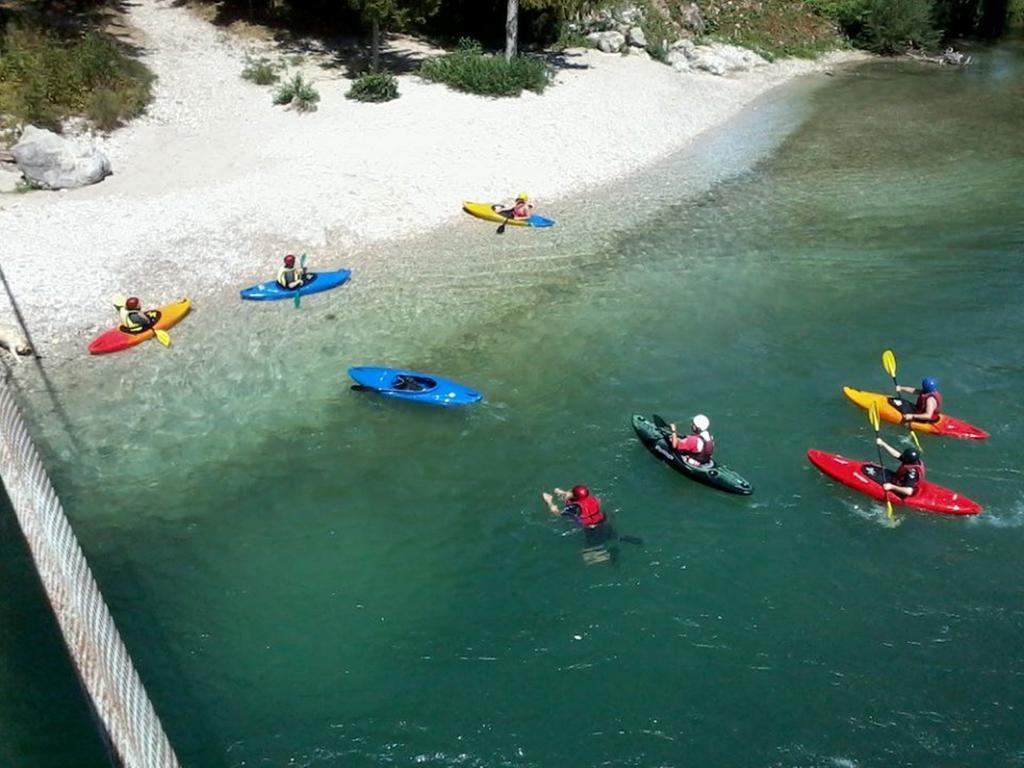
(512,30)
(375,46)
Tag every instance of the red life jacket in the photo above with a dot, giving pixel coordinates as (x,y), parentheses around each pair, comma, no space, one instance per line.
(704,455)
(922,404)
(590,511)
(901,474)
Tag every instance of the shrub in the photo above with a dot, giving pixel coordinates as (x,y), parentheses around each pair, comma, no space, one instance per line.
(299,94)
(261,72)
(375,86)
(470,69)
(658,33)
(44,78)
(890,26)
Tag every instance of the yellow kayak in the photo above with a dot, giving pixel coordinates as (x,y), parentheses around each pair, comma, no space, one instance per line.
(888,410)
(486,212)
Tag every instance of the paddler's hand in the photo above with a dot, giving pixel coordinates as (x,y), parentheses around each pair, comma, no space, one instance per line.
(906,418)
(879,442)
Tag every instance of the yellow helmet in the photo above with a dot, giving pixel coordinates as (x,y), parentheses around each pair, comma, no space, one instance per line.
(522,196)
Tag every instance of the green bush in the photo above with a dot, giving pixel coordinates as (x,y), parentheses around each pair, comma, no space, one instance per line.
(658,33)
(890,26)
(297,93)
(847,14)
(261,72)
(375,86)
(45,78)
(470,69)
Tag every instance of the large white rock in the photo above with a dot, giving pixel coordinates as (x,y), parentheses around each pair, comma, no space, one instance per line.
(678,61)
(51,161)
(636,37)
(609,42)
(719,58)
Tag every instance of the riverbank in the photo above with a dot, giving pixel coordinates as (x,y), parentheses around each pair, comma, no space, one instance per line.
(214,183)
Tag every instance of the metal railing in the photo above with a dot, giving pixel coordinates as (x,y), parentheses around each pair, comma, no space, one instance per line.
(96,648)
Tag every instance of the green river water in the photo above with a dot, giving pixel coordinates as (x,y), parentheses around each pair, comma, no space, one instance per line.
(311,576)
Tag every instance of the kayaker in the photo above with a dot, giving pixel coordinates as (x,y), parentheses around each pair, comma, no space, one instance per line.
(929,402)
(288,276)
(522,208)
(699,445)
(585,510)
(904,480)
(133,319)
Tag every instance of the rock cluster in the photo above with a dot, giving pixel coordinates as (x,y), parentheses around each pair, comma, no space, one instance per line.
(622,31)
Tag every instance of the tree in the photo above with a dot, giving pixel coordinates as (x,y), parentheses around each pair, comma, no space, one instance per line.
(512,30)
(385,14)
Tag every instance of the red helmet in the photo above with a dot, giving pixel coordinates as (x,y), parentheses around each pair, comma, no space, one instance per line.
(289,260)
(131,303)
(580,491)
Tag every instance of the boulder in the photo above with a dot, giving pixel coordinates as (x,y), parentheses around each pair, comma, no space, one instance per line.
(678,61)
(51,161)
(721,58)
(636,37)
(609,42)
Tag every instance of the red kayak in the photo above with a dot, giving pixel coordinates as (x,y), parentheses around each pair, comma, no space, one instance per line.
(867,478)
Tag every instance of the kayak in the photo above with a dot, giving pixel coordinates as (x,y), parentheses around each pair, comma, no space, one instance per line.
(414,386)
(891,408)
(315,283)
(117,339)
(486,212)
(868,478)
(714,474)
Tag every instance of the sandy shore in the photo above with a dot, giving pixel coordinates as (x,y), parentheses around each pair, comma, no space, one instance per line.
(214,182)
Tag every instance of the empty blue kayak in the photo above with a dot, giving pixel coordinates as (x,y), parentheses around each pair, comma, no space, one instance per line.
(315,283)
(415,386)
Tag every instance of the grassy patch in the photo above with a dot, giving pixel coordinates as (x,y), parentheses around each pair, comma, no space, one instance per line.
(471,70)
(297,93)
(45,78)
(772,29)
(375,87)
(260,71)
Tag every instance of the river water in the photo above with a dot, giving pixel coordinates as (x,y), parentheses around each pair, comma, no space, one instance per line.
(308,576)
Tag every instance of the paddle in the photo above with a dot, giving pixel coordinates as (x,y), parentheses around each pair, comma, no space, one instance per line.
(876,423)
(661,424)
(501,229)
(889,363)
(162,336)
(298,296)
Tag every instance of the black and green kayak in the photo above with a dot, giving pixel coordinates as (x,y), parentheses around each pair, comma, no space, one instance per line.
(714,474)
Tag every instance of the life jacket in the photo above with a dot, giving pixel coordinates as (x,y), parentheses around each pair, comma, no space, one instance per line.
(287,275)
(128,320)
(908,475)
(590,511)
(922,404)
(702,456)
(521,210)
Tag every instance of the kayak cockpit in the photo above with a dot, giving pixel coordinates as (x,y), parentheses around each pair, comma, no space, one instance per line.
(417,385)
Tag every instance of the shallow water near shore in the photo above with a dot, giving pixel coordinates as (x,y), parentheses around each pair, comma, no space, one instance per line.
(311,576)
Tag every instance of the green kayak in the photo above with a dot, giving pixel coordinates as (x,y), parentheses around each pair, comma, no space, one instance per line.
(714,474)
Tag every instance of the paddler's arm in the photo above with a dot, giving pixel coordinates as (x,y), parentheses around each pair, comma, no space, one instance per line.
(888,448)
(900,489)
(908,390)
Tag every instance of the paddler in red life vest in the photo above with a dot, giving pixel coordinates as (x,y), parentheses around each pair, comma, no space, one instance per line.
(929,402)
(904,480)
(288,276)
(133,319)
(578,504)
(522,208)
(699,445)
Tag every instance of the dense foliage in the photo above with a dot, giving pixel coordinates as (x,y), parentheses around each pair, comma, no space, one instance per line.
(374,86)
(470,69)
(45,77)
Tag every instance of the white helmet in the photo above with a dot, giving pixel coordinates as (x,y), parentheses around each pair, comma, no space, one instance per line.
(701,423)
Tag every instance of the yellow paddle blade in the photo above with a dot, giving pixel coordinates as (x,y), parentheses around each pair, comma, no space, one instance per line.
(913,437)
(888,508)
(163,337)
(873,417)
(118,300)
(889,362)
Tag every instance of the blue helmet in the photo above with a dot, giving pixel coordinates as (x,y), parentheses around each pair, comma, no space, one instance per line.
(929,385)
